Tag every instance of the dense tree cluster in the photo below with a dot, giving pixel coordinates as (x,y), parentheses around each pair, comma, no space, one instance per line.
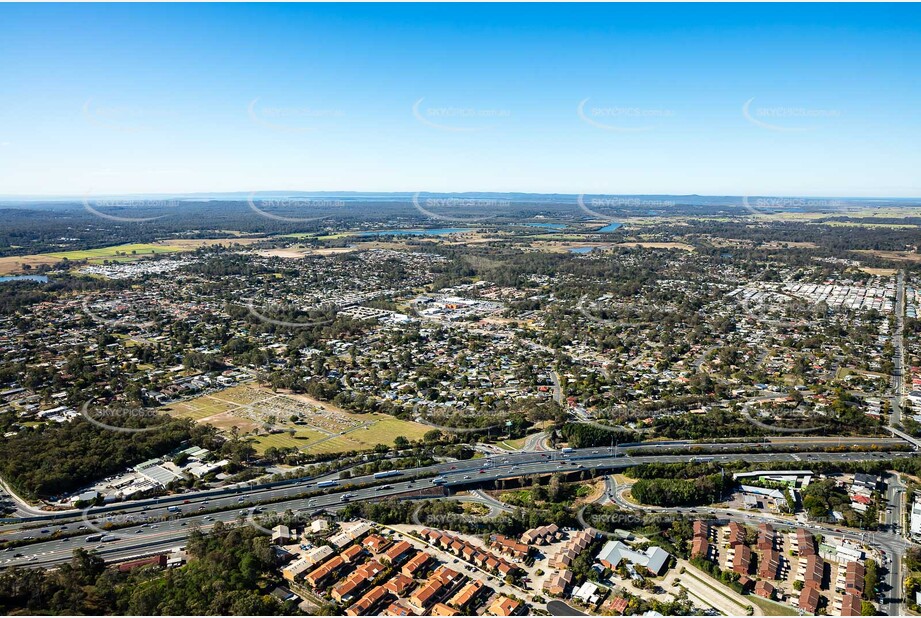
(680,492)
(582,435)
(230,572)
(50,460)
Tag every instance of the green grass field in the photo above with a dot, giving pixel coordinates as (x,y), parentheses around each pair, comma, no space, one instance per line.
(772,608)
(129,251)
(301,438)
(380,429)
(385,428)
(197,409)
(511,445)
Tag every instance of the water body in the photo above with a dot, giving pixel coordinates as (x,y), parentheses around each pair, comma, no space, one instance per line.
(438,232)
(582,249)
(611,227)
(37,278)
(549,226)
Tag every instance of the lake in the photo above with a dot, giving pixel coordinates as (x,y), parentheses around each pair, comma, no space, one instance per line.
(38,278)
(582,249)
(549,226)
(611,227)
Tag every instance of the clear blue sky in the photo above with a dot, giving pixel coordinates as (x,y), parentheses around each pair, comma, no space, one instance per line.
(544,98)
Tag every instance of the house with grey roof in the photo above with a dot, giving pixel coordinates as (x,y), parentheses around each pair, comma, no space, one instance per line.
(655,559)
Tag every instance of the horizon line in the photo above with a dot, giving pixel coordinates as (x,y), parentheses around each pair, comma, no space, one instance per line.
(255,194)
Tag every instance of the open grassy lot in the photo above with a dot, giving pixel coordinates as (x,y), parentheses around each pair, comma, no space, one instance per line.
(384,429)
(772,608)
(896,256)
(117,253)
(199,408)
(512,445)
(658,245)
(320,427)
(133,249)
(300,439)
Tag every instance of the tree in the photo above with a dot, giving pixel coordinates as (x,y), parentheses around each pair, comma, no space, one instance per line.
(555,489)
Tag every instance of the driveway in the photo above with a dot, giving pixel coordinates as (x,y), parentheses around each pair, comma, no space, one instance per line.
(558,608)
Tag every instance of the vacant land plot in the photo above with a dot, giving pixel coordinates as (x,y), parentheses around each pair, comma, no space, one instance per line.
(897,256)
(284,253)
(879,272)
(133,249)
(299,439)
(772,608)
(283,420)
(116,253)
(657,245)
(199,408)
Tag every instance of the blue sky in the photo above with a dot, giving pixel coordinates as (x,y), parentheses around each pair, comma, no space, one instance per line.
(757,99)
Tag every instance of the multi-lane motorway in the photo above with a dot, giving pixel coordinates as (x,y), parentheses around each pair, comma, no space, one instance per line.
(146,528)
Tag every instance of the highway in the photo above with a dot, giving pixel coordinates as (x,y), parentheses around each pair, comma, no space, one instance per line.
(894,520)
(156,528)
(898,369)
(226,497)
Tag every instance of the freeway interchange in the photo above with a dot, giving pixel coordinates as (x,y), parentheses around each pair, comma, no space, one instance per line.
(150,526)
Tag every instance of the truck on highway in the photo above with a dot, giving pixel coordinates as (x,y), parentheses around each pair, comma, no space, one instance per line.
(174,509)
(566,450)
(93,538)
(346,497)
(327,483)
(701,459)
(387,474)
(108,538)
(439,480)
